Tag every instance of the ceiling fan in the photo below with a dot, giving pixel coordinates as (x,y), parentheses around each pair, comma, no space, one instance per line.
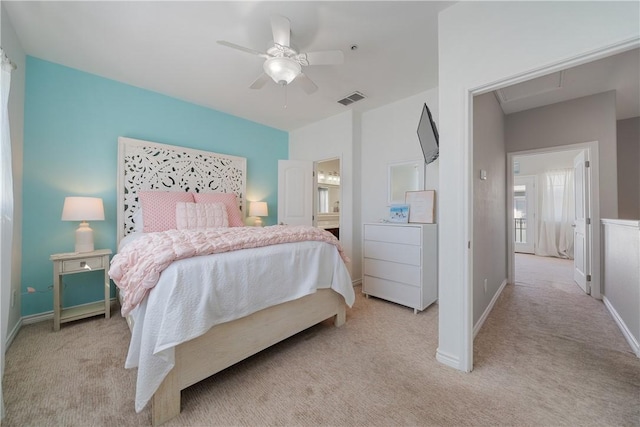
(283,64)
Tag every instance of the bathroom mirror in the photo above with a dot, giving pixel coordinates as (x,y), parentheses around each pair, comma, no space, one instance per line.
(403,177)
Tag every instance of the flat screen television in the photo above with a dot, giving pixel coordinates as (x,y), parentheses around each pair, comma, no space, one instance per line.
(428,136)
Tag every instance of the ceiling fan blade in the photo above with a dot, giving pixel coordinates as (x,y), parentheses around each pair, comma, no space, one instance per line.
(281,28)
(260,81)
(306,83)
(242,48)
(325,57)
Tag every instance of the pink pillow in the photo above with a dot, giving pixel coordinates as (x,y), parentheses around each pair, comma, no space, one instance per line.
(229,199)
(201,215)
(159,209)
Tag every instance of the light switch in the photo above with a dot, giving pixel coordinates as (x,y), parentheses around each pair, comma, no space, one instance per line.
(483,174)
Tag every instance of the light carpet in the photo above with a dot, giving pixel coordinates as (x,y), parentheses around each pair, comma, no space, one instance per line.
(546,356)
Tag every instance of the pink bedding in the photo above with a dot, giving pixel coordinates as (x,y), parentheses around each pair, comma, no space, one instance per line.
(137,267)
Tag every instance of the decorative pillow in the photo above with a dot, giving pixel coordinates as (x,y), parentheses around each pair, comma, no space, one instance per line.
(229,199)
(159,209)
(201,215)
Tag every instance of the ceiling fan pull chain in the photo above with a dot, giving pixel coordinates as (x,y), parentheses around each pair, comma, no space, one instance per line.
(285,95)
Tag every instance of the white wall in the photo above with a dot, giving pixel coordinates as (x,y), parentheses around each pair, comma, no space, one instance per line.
(482,46)
(586,119)
(14,51)
(329,138)
(389,135)
(628,137)
(489,202)
(621,276)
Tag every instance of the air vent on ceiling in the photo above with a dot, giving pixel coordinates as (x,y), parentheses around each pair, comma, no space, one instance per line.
(350,99)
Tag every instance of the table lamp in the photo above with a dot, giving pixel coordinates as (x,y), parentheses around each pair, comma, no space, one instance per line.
(258,209)
(83,209)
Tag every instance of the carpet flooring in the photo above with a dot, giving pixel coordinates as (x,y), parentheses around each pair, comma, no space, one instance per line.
(548,355)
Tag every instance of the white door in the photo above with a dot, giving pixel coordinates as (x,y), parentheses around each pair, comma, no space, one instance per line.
(524,207)
(295,192)
(582,226)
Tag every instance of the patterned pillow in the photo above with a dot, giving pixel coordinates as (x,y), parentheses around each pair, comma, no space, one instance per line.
(159,209)
(201,215)
(230,201)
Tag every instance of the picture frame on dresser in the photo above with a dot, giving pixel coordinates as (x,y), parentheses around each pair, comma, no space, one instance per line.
(421,206)
(399,213)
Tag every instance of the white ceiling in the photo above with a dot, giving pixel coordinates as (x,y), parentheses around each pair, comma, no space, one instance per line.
(619,72)
(170,47)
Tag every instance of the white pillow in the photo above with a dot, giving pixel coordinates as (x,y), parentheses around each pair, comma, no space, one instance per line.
(201,215)
(138,224)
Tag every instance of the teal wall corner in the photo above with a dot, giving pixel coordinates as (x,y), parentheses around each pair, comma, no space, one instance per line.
(72,123)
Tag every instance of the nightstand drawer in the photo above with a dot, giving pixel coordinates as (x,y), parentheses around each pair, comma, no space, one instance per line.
(72,265)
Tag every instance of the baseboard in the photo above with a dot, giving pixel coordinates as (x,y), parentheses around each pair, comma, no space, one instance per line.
(483,318)
(449,360)
(356,282)
(13,333)
(35,318)
(633,342)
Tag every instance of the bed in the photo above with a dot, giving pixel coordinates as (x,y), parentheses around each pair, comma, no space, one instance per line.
(174,343)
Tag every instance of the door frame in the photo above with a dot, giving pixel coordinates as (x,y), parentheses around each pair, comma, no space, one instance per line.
(532,205)
(315,188)
(592,152)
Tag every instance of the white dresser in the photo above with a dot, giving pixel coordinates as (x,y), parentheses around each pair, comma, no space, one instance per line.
(401,263)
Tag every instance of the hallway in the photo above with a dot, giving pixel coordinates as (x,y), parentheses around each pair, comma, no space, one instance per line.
(545,334)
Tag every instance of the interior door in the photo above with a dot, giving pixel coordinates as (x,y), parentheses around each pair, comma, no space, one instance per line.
(582,226)
(295,192)
(524,218)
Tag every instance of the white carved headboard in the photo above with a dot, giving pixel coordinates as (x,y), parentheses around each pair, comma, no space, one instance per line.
(144,165)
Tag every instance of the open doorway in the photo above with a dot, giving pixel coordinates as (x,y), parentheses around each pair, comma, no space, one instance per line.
(551,208)
(328,195)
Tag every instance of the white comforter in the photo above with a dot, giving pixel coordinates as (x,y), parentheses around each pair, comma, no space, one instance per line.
(195,294)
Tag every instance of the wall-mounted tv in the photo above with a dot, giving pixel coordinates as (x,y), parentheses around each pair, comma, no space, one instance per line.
(428,136)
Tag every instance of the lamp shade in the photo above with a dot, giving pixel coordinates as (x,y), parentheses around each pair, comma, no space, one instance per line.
(281,69)
(83,209)
(258,209)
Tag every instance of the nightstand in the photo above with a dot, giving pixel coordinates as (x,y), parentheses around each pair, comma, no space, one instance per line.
(74,263)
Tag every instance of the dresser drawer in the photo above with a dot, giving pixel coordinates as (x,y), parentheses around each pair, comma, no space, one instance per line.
(72,265)
(395,252)
(404,273)
(393,234)
(392,291)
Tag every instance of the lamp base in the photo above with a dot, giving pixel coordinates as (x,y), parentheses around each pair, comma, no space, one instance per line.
(258,222)
(84,238)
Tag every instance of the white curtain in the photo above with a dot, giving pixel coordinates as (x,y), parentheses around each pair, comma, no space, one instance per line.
(557,214)
(6,211)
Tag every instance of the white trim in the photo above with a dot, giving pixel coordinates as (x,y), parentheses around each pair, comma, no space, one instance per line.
(633,342)
(485,315)
(35,318)
(467,124)
(11,336)
(356,282)
(449,360)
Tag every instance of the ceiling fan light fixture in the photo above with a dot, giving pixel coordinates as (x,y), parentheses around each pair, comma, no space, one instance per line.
(282,70)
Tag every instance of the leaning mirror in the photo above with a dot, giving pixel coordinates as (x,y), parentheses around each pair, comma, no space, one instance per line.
(403,177)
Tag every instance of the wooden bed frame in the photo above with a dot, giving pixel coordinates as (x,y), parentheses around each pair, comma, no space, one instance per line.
(228,343)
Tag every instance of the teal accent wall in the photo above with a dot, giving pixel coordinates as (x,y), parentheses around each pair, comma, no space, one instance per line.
(72,122)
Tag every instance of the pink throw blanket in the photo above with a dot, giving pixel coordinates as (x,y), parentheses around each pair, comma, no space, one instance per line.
(136,269)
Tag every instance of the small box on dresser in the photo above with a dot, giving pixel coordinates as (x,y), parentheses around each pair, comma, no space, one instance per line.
(401,263)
